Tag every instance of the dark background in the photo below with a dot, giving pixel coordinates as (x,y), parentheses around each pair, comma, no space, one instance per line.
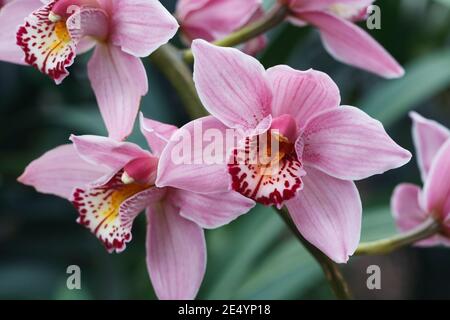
(255,257)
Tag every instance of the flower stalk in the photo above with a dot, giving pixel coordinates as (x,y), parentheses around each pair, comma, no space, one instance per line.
(273,18)
(168,60)
(427,229)
(331,270)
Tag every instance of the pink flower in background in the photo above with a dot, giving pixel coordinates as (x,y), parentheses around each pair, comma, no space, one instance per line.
(211,20)
(342,38)
(111,182)
(411,205)
(51,35)
(323,146)
(3,2)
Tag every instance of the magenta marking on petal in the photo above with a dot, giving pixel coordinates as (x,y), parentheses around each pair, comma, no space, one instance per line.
(99,211)
(269,183)
(47,45)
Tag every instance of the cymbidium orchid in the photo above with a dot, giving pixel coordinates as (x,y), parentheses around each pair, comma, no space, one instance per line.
(342,38)
(411,205)
(111,182)
(211,20)
(323,147)
(49,36)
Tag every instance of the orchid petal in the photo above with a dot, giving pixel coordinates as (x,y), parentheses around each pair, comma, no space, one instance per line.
(232,85)
(59,171)
(176,253)
(107,152)
(210,20)
(301,94)
(119,81)
(350,44)
(156,133)
(310,5)
(327,212)
(12,16)
(437,186)
(407,210)
(348,144)
(186,164)
(141,26)
(429,136)
(211,210)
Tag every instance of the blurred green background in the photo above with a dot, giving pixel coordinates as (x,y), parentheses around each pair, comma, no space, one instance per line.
(255,257)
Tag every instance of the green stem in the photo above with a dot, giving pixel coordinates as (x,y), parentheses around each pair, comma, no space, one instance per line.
(429,228)
(169,61)
(331,270)
(276,16)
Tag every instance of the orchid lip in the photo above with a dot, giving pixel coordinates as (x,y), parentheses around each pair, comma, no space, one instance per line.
(100,210)
(266,169)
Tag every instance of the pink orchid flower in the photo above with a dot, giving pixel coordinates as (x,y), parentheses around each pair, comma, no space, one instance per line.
(212,20)
(343,39)
(111,182)
(51,35)
(323,147)
(411,206)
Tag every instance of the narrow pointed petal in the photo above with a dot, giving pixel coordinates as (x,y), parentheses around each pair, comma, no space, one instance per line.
(437,186)
(186,163)
(107,152)
(141,26)
(186,7)
(406,207)
(12,15)
(176,253)
(156,133)
(47,45)
(210,20)
(350,44)
(232,85)
(408,212)
(59,171)
(211,210)
(429,136)
(302,94)
(328,214)
(119,81)
(310,5)
(109,210)
(348,144)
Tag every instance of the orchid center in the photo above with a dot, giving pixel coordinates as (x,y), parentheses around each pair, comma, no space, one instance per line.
(265,167)
(141,171)
(99,210)
(49,36)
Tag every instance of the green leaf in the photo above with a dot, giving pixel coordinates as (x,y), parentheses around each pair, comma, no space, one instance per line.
(289,272)
(424,78)
(250,242)
(444,2)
